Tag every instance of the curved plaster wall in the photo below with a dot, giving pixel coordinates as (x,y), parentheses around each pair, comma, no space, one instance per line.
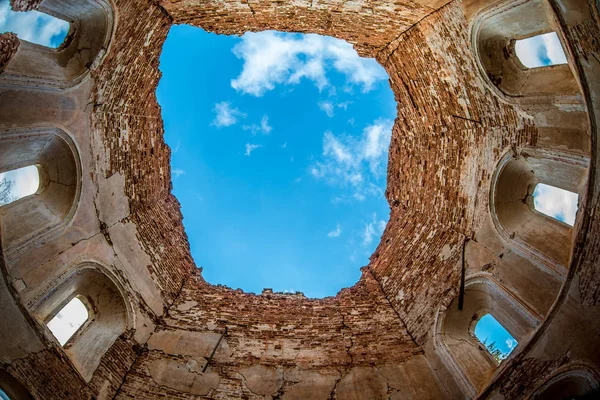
(30,220)
(467,357)
(579,382)
(86,43)
(546,239)
(108,313)
(450,134)
(494,34)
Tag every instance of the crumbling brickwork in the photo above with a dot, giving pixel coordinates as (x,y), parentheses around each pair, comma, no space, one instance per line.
(9,43)
(25,5)
(369,25)
(325,338)
(382,338)
(447,139)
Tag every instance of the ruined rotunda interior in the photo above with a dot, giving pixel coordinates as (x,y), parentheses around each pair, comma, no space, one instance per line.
(475,132)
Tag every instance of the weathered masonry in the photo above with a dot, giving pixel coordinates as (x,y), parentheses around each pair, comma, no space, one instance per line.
(475,132)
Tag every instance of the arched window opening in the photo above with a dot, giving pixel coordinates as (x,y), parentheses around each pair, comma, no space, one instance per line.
(581,384)
(34,26)
(27,222)
(496,339)
(534,228)
(18,183)
(556,203)
(68,320)
(54,52)
(513,41)
(540,51)
(3,396)
(460,333)
(86,311)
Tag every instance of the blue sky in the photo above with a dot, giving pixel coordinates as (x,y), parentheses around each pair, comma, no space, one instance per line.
(279,151)
(33,26)
(540,51)
(279,160)
(556,203)
(490,331)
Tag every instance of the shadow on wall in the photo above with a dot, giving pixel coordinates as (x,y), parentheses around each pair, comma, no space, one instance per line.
(91,24)
(35,218)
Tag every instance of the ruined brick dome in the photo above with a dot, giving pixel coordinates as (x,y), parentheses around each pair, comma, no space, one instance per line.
(474,133)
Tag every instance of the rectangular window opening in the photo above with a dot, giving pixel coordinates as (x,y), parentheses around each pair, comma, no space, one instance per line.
(33,26)
(540,51)
(18,183)
(68,320)
(556,203)
(494,337)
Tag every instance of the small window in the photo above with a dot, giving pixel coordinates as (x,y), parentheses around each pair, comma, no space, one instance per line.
(3,395)
(557,203)
(540,51)
(34,26)
(68,320)
(494,337)
(18,183)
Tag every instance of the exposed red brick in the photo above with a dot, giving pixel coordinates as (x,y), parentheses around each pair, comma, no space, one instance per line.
(9,43)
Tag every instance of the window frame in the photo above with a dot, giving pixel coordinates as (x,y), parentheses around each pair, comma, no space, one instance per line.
(42,183)
(531,204)
(482,345)
(512,49)
(81,329)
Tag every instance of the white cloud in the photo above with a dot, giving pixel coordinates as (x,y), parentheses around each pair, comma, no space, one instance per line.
(327,107)
(33,26)
(372,229)
(344,105)
(264,126)
(511,343)
(376,143)
(177,172)
(254,129)
(225,115)
(556,203)
(250,148)
(176,148)
(359,196)
(540,51)
(273,58)
(334,148)
(337,232)
(355,163)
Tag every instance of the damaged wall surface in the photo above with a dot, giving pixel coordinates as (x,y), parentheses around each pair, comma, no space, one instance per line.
(465,153)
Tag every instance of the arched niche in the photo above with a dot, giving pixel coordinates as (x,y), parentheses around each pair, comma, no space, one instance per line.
(109,313)
(576,383)
(463,354)
(544,240)
(494,34)
(91,25)
(36,218)
(12,387)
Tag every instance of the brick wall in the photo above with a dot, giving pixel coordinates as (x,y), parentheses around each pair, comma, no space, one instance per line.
(9,43)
